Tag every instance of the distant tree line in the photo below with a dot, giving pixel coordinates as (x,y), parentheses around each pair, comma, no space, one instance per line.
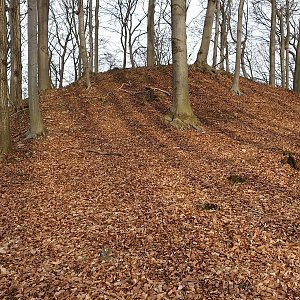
(258,39)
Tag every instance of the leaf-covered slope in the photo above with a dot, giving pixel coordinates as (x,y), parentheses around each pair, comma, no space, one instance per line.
(115,204)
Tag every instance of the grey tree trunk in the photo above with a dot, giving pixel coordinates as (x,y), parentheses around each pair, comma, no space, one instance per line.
(297,67)
(282,47)
(82,48)
(181,115)
(201,61)
(236,79)
(226,15)
(5,140)
(36,122)
(44,81)
(96,58)
(150,34)
(287,44)
(217,33)
(91,40)
(272,43)
(16,64)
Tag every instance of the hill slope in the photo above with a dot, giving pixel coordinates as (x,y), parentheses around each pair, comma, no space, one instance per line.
(115,204)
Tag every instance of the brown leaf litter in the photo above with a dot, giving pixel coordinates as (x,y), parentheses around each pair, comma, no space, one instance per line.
(116,204)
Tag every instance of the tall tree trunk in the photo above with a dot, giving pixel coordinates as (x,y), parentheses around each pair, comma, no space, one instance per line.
(243,61)
(272,43)
(282,47)
(5,140)
(130,48)
(201,61)
(91,41)
(96,59)
(124,43)
(244,43)
(36,122)
(150,34)
(287,45)
(82,48)
(225,11)
(217,33)
(16,63)
(181,115)
(44,81)
(236,79)
(297,66)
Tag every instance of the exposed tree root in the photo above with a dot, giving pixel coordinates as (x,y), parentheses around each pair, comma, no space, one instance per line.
(236,92)
(183,122)
(205,68)
(29,135)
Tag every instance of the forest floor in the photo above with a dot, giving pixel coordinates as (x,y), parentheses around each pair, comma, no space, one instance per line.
(115,204)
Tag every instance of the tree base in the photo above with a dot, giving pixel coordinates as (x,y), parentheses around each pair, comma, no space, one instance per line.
(183,122)
(205,68)
(236,92)
(30,136)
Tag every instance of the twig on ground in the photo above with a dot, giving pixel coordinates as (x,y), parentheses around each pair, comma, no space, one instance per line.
(140,92)
(159,90)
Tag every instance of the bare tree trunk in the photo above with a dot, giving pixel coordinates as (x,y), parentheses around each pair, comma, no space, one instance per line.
(96,59)
(150,34)
(36,122)
(236,79)
(130,48)
(282,47)
(272,43)
(181,115)
(244,43)
(44,81)
(124,45)
(297,66)
(243,62)
(225,10)
(16,64)
(82,48)
(5,140)
(201,61)
(91,41)
(217,33)
(287,45)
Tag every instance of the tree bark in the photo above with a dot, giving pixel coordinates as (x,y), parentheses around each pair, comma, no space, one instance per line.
(236,79)
(217,33)
(44,81)
(91,40)
(287,44)
(150,34)
(82,48)
(297,67)
(181,115)
(16,63)
(225,11)
(36,122)
(201,61)
(5,140)
(96,59)
(282,47)
(272,43)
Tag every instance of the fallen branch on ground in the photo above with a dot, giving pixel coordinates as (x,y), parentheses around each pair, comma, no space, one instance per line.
(159,90)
